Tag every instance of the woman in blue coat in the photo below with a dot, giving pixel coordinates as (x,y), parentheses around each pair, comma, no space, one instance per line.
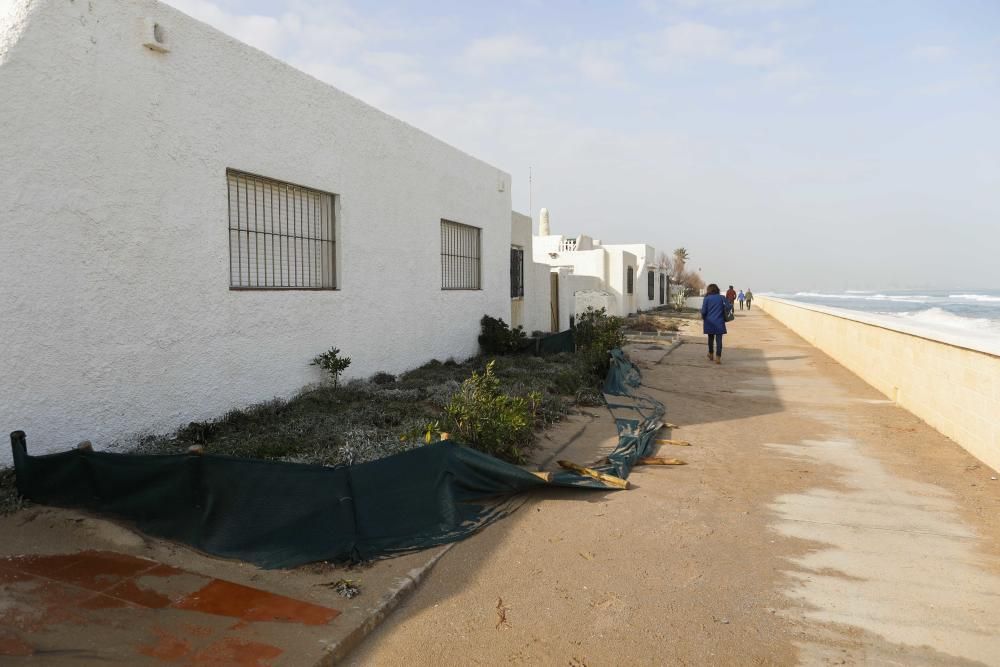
(713,312)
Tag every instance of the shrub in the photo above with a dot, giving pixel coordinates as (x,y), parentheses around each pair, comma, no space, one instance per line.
(383,378)
(597,333)
(481,415)
(331,362)
(498,338)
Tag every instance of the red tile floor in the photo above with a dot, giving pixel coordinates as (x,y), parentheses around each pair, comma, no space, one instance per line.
(97,606)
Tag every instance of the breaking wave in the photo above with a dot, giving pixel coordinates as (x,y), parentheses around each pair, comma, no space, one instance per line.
(868,296)
(976,297)
(938,318)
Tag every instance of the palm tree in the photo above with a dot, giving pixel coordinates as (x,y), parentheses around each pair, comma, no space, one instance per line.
(680,258)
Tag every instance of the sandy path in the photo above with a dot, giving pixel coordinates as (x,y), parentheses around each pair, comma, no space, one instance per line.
(817,523)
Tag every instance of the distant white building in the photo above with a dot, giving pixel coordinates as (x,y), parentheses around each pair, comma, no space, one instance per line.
(187,221)
(622,278)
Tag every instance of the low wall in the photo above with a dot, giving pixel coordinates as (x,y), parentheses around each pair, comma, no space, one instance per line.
(949,384)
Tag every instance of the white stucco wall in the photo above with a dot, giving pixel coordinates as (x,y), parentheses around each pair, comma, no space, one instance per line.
(533,310)
(645,260)
(116,311)
(595,299)
(570,285)
(617,262)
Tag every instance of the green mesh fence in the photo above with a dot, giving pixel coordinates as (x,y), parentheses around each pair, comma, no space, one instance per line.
(278,514)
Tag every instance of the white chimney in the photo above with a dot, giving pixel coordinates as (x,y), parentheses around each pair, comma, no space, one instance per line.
(543,223)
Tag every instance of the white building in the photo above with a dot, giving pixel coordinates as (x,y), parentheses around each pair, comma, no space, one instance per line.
(187,221)
(622,278)
(530,282)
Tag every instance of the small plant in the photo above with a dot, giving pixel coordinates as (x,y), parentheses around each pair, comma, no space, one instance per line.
(483,416)
(596,334)
(429,432)
(498,338)
(331,362)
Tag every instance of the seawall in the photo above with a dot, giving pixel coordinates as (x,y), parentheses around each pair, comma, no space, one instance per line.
(951,384)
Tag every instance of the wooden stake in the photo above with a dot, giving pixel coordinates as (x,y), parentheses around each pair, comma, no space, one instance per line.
(617,482)
(658,461)
(679,443)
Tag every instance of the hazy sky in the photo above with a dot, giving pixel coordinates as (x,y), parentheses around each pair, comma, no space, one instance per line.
(787,144)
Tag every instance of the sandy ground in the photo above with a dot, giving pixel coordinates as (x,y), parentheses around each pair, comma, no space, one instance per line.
(816,523)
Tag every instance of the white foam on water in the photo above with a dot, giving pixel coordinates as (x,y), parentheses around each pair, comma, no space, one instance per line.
(976,297)
(937,317)
(868,296)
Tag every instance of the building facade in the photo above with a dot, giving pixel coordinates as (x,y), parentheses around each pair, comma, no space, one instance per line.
(188,221)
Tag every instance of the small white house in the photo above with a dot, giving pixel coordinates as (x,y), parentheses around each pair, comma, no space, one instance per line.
(187,221)
(620,277)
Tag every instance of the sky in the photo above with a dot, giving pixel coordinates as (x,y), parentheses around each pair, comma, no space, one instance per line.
(786,144)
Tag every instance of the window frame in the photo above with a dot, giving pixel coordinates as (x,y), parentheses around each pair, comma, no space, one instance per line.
(477,247)
(651,286)
(516,281)
(630,281)
(234,259)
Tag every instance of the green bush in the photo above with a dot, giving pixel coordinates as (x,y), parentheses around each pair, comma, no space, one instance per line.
(331,362)
(481,415)
(596,334)
(498,338)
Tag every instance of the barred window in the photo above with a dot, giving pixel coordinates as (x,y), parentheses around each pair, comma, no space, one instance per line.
(459,256)
(281,236)
(651,286)
(629,281)
(663,289)
(516,272)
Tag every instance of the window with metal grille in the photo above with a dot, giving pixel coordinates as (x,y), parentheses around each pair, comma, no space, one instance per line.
(459,256)
(280,235)
(516,272)
(651,287)
(630,279)
(663,289)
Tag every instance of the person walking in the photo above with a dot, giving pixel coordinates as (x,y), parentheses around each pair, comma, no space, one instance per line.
(731,295)
(740,297)
(749,297)
(713,312)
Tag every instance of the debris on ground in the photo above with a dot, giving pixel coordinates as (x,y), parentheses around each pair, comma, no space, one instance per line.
(346,588)
(502,610)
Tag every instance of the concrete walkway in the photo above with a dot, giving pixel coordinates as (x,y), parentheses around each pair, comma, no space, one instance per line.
(816,523)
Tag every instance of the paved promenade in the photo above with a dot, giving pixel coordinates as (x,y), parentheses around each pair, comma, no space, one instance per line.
(816,523)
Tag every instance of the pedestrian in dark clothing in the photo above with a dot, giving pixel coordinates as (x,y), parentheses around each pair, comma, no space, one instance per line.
(713,312)
(749,298)
(731,295)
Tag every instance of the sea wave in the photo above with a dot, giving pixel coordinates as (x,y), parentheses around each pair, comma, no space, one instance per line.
(867,296)
(976,297)
(938,317)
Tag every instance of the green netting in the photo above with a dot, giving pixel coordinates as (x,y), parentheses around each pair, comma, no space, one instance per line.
(286,514)
(563,341)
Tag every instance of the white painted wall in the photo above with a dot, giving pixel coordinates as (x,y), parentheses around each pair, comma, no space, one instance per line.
(532,311)
(595,299)
(570,285)
(618,261)
(116,310)
(645,261)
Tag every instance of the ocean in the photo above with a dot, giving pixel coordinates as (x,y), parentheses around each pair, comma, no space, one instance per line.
(969,311)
